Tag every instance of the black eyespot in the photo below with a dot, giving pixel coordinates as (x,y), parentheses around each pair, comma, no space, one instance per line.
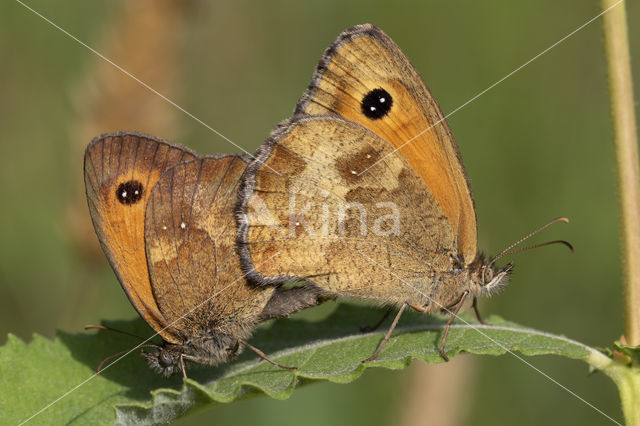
(376,104)
(129,192)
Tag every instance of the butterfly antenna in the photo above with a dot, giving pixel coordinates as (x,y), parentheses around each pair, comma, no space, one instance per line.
(509,250)
(104,327)
(99,368)
(548,243)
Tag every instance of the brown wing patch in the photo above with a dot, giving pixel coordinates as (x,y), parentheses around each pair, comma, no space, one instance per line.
(291,162)
(120,170)
(352,166)
(363,60)
(190,233)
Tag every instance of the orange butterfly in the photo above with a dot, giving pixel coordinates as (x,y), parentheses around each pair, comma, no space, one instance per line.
(165,220)
(367,189)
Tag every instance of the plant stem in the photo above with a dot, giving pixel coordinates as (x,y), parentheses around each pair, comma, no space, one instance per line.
(626,149)
(626,378)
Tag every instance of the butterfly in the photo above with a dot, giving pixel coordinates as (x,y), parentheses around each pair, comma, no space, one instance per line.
(165,219)
(367,190)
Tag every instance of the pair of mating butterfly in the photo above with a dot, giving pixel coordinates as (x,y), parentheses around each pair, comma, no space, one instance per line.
(201,245)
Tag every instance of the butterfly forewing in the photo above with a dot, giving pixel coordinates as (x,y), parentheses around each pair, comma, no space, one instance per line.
(364,77)
(120,170)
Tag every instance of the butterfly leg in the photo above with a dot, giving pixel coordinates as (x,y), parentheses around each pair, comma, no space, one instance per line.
(388,335)
(370,328)
(184,370)
(264,357)
(477,312)
(453,316)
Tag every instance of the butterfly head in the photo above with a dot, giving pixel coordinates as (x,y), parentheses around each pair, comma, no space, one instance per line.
(164,360)
(211,350)
(486,278)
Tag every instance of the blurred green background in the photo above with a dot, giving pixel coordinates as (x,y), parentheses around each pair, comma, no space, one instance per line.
(536,146)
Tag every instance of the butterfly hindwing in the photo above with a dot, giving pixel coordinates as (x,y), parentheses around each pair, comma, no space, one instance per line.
(190,232)
(363,235)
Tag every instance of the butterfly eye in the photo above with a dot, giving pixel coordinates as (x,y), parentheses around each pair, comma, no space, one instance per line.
(233,349)
(487,274)
(376,104)
(129,192)
(165,360)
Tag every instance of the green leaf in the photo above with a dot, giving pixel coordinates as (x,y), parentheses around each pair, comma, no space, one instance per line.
(61,372)
(633,352)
